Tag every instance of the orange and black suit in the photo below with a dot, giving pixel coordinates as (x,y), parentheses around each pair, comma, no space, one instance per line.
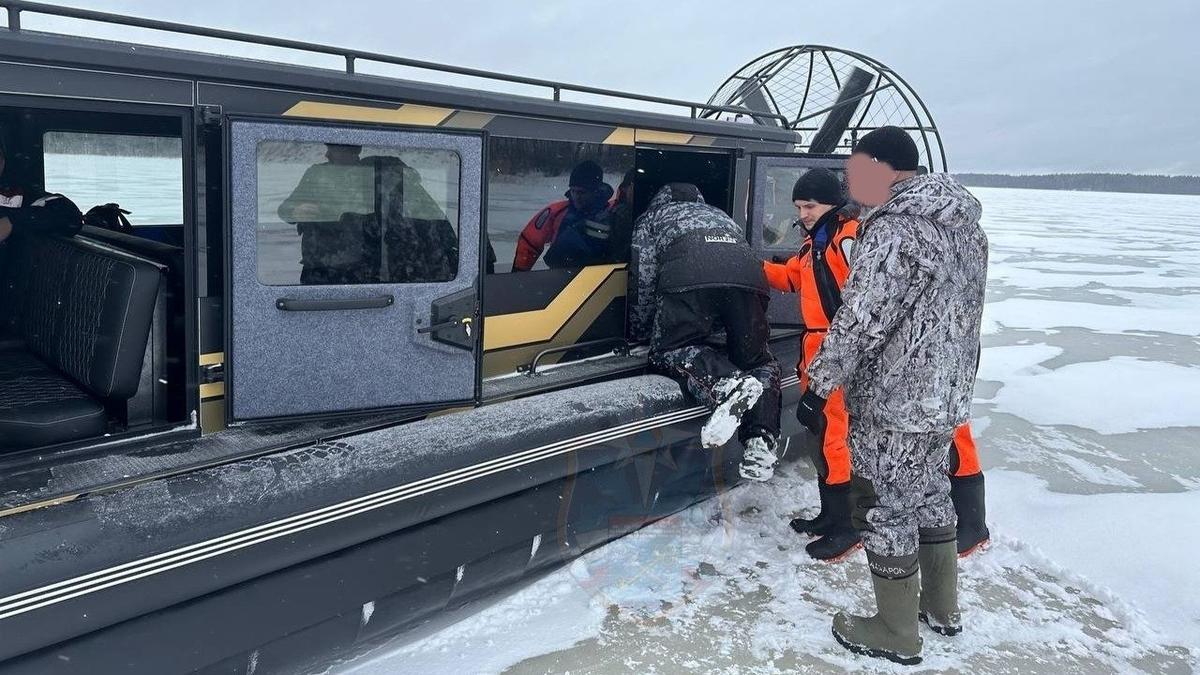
(817,274)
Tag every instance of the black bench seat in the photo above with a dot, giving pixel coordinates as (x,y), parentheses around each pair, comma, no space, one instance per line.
(74,317)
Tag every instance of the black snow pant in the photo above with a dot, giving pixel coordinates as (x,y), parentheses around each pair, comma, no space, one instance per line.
(685,345)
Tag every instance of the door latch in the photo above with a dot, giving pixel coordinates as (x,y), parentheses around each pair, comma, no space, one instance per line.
(452,320)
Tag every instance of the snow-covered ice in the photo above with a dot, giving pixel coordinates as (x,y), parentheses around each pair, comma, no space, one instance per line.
(1099,395)
(1088,421)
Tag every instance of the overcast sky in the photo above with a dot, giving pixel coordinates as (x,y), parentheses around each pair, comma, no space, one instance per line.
(1014,86)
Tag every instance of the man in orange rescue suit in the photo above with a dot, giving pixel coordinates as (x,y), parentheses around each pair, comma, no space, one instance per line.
(575,229)
(817,274)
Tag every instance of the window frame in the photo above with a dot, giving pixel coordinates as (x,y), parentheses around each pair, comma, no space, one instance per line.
(753,207)
(457,225)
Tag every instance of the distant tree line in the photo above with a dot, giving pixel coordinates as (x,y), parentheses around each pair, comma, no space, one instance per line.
(1089,182)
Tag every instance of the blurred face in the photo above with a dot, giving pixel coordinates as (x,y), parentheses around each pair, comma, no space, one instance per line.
(868,181)
(811,212)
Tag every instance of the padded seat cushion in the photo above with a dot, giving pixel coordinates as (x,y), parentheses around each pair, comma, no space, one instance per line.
(38,406)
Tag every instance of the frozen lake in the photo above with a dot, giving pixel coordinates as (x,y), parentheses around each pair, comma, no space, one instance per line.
(1088,417)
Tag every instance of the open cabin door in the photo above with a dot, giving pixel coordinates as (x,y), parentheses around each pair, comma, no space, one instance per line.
(353,268)
(773,221)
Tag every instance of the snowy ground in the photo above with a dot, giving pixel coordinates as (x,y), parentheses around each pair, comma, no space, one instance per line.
(1088,417)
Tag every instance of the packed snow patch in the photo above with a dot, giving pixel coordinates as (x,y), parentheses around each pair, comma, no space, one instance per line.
(999,364)
(1141,546)
(547,615)
(1119,395)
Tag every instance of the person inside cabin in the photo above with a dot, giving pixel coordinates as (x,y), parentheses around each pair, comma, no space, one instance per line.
(328,207)
(25,209)
(573,232)
(696,278)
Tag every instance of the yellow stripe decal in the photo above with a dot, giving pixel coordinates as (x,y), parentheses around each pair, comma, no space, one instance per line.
(411,113)
(421,115)
(668,137)
(212,358)
(621,136)
(540,325)
(468,120)
(212,389)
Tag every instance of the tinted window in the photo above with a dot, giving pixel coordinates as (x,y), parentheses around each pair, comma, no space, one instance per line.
(144,174)
(538,220)
(341,214)
(708,171)
(778,216)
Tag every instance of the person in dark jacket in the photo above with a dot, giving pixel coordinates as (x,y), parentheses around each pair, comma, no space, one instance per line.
(574,232)
(695,276)
(27,210)
(904,347)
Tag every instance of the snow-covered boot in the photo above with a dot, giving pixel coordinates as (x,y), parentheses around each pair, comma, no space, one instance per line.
(759,459)
(892,633)
(939,580)
(838,538)
(735,395)
(967,494)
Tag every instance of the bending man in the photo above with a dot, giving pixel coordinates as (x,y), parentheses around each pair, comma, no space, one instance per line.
(697,277)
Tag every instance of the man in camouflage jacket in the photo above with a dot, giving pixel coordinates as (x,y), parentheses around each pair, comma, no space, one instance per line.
(904,346)
(695,278)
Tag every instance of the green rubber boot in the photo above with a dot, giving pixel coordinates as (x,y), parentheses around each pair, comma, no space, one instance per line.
(939,580)
(892,633)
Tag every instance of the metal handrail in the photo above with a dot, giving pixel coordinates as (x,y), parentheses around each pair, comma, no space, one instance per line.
(620,346)
(15,7)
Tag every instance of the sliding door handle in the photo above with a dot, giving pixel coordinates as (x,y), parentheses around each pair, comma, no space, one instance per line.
(324,305)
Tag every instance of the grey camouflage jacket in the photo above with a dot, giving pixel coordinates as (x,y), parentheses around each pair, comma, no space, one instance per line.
(668,217)
(905,343)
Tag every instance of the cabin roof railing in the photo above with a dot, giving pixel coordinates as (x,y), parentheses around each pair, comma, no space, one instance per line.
(351,56)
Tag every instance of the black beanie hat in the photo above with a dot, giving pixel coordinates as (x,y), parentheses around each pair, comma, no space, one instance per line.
(818,185)
(685,192)
(586,174)
(892,145)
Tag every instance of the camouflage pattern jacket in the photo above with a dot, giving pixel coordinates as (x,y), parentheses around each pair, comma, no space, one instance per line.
(905,342)
(675,210)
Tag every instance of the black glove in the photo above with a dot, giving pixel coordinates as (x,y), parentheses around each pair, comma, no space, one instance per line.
(809,410)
